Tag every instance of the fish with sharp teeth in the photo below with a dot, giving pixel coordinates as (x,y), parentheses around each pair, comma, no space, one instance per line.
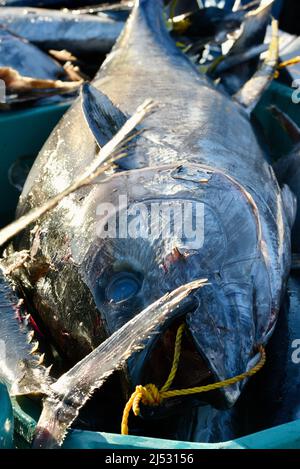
(110,246)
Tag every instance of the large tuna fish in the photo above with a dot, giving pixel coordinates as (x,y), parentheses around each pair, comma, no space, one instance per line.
(105,252)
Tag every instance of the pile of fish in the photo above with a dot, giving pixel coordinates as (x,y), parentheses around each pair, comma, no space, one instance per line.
(48,52)
(89,304)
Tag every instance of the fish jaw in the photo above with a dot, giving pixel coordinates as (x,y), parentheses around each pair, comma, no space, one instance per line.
(21,367)
(218,345)
(74,388)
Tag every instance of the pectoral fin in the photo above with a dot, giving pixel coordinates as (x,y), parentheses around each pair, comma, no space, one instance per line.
(102,116)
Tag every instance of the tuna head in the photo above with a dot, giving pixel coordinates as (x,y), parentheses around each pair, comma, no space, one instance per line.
(145,232)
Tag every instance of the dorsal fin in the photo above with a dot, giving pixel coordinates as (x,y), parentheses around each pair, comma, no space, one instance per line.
(102,116)
(251,92)
(287,123)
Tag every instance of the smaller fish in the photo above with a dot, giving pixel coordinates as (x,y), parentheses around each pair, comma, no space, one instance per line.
(17,53)
(28,73)
(51,29)
(117,11)
(252,36)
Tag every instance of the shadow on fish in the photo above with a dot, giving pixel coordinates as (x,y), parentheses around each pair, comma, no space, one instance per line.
(92,272)
(272,398)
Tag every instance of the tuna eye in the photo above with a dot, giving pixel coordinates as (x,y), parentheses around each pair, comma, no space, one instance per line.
(123,286)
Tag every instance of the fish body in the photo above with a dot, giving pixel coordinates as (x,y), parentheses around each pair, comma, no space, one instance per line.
(50,29)
(197,150)
(28,60)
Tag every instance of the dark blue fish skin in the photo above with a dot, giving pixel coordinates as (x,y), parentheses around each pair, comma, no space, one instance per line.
(197,134)
(50,29)
(28,60)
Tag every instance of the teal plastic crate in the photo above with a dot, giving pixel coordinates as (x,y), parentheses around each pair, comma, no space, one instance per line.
(23,134)
(6,419)
(26,413)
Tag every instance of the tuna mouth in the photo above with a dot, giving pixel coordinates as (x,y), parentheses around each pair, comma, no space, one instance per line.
(192,371)
(155,364)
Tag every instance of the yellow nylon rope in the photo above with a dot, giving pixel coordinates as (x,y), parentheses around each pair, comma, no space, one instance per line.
(151,395)
(287,63)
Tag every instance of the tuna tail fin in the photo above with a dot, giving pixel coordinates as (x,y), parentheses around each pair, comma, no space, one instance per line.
(287,123)
(251,92)
(239,65)
(102,116)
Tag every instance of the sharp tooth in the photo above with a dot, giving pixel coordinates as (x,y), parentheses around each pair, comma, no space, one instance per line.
(41,359)
(30,336)
(34,348)
(48,370)
(27,317)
